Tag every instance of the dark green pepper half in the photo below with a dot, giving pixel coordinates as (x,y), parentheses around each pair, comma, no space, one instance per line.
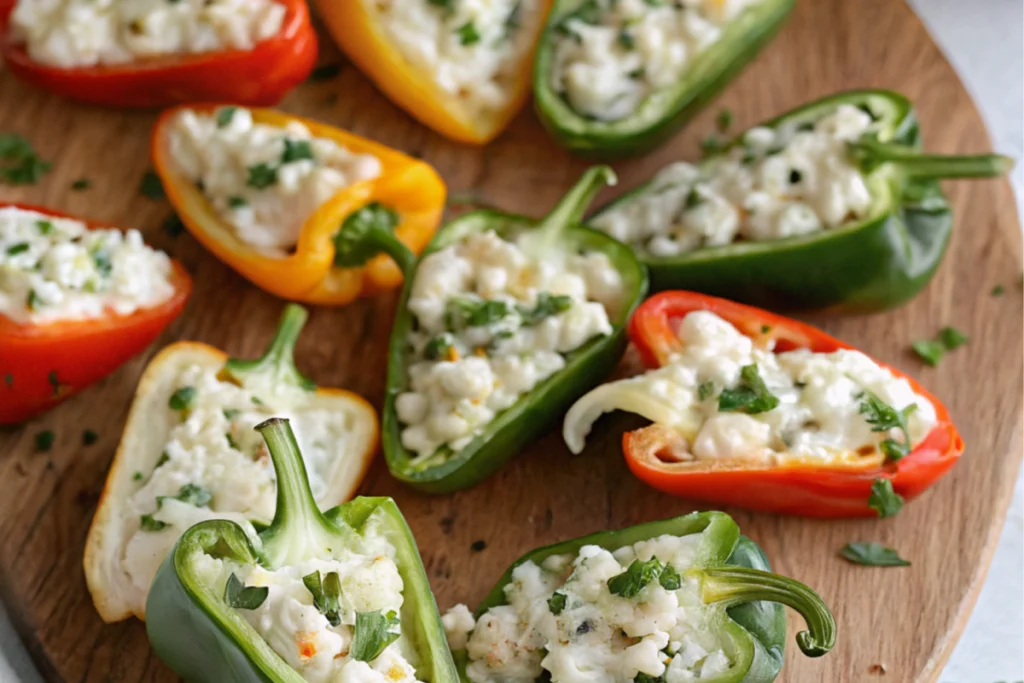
(192,628)
(735,582)
(876,263)
(663,112)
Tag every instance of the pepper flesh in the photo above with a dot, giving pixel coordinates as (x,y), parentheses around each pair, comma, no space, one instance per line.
(526,420)
(114,595)
(365,42)
(261,76)
(796,488)
(663,112)
(735,581)
(42,365)
(203,640)
(877,263)
(309,273)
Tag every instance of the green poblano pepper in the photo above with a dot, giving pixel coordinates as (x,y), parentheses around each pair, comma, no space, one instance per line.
(734,580)
(663,111)
(193,629)
(873,263)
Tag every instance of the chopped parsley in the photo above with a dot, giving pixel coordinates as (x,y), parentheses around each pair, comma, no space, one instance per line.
(89,437)
(626,39)
(468,34)
(547,305)
(952,338)
(883,499)
(639,574)
(326,595)
(236,202)
(882,417)
(724,120)
(19,248)
(931,351)
(33,302)
(556,603)
(261,176)
(44,440)
(372,634)
(325,72)
(225,115)
(19,163)
(240,596)
(81,184)
(998,290)
(872,555)
(795,176)
(137,476)
(182,399)
(693,199)
(712,144)
(705,390)
(44,227)
(149,523)
(439,347)
(750,396)
(296,150)
(463,312)
(150,186)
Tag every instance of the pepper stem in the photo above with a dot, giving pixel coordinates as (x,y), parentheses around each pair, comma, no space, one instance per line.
(277,365)
(368,232)
(569,210)
(869,154)
(732,586)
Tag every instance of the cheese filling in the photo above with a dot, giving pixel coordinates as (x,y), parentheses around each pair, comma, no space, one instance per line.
(590,617)
(811,406)
(264,181)
(613,54)
(324,645)
(471,49)
(214,465)
(54,269)
(491,324)
(84,33)
(779,183)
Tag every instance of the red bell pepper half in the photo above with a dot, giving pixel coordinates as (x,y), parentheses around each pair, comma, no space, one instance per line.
(41,365)
(840,490)
(258,77)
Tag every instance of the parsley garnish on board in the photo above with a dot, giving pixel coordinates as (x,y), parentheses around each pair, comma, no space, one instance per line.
(872,555)
(882,417)
(44,441)
(326,594)
(89,437)
(724,120)
(240,596)
(150,186)
(372,634)
(883,499)
(931,351)
(750,396)
(19,163)
(81,184)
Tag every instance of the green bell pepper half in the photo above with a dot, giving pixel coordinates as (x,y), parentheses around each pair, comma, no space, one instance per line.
(662,112)
(201,638)
(876,263)
(736,583)
(530,416)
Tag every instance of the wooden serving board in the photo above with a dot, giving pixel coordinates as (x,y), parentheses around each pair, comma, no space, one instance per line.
(901,621)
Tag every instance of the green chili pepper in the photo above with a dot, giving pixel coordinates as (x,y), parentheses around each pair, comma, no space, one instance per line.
(735,582)
(871,264)
(194,630)
(661,113)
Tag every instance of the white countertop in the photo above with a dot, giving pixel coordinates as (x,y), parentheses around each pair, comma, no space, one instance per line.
(984,39)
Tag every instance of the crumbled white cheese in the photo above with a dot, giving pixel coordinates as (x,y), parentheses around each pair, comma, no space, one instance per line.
(819,416)
(470,49)
(476,348)
(215,453)
(265,181)
(613,54)
(57,269)
(779,183)
(563,618)
(82,33)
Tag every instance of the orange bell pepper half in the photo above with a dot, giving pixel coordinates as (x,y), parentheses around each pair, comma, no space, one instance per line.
(365,41)
(42,365)
(261,76)
(411,188)
(795,487)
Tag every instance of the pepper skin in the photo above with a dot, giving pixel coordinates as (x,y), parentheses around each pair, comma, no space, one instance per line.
(527,419)
(310,273)
(114,593)
(796,488)
(660,115)
(878,263)
(735,581)
(42,365)
(259,77)
(194,631)
(358,34)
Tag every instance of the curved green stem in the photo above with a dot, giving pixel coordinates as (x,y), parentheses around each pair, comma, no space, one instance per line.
(869,154)
(368,232)
(277,364)
(569,210)
(732,586)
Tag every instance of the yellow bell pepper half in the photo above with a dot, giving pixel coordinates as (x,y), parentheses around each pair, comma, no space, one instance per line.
(410,187)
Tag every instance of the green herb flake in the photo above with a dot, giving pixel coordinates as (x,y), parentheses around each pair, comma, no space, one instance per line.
(89,437)
(173,226)
(883,499)
(883,417)
(151,187)
(952,338)
(712,144)
(326,595)
(872,555)
(626,39)
(325,72)
(750,396)
(240,596)
(194,495)
(230,413)
(468,34)
(372,634)
(225,115)
(44,441)
(705,390)
(19,163)
(296,150)
(81,184)
(150,523)
(19,248)
(164,457)
(231,442)
(44,227)
(556,603)
(928,350)
(439,347)
(547,305)
(724,120)
(261,176)
(137,476)
(182,398)
(236,202)
(670,579)
(637,576)
(998,290)
(33,302)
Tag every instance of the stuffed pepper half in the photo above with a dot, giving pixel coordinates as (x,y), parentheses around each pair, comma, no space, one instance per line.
(268,194)
(503,323)
(767,413)
(618,77)
(831,206)
(680,600)
(335,596)
(189,454)
(462,68)
(77,299)
(138,53)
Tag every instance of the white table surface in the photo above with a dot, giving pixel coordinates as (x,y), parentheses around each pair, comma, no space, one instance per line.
(984,39)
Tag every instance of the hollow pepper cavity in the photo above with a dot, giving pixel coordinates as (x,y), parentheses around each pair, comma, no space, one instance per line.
(870,264)
(193,628)
(410,190)
(840,489)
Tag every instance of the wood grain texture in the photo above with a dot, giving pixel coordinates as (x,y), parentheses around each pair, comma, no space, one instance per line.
(907,619)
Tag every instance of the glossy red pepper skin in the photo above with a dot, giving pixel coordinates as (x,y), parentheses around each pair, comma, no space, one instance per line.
(42,365)
(258,77)
(796,489)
